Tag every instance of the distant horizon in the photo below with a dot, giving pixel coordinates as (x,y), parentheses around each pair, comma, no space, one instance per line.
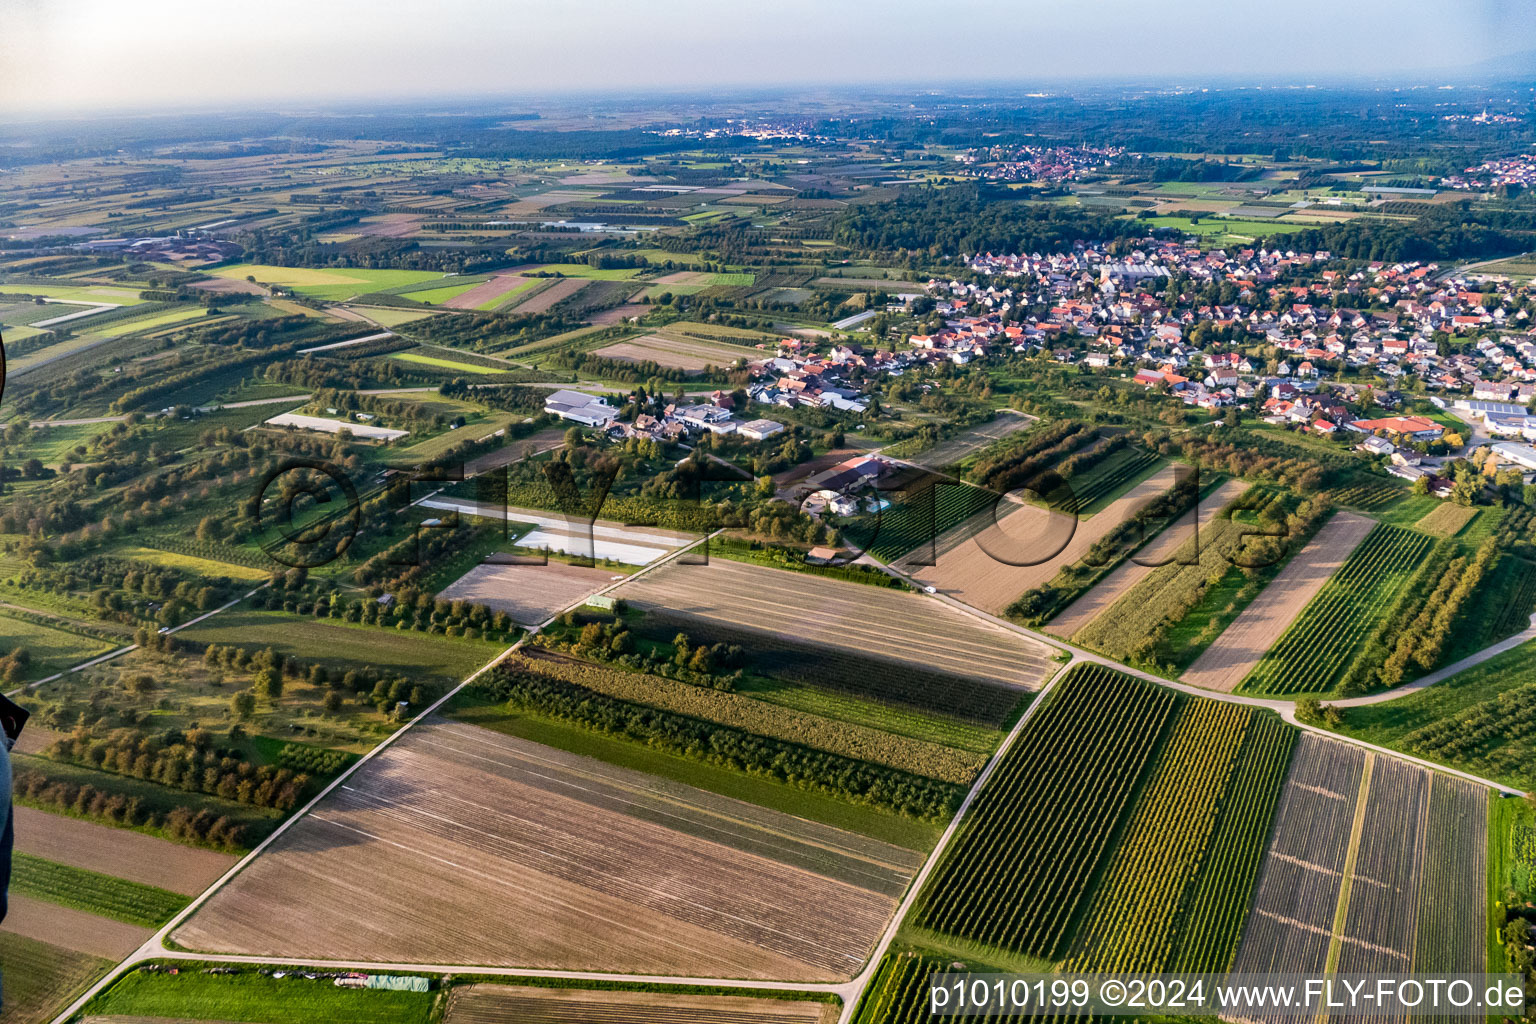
(82,58)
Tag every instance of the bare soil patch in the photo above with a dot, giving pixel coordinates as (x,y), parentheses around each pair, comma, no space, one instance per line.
(509,1004)
(390,225)
(863,620)
(530,594)
(464,845)
(977,569)
(486,291)
(678,353)
(1136,568)
(73,929)
(229,286)
(542,300)
(1228,660)
(616,314)
(118,852)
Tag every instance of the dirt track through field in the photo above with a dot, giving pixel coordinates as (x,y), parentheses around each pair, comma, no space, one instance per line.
(517,855)
(1227,662)
(118,852)
(540,301)
(73,929)
(1136,568)
(858,618)
(977,570)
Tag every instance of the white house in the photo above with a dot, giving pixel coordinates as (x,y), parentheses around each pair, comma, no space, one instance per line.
(759,429)
(580,408)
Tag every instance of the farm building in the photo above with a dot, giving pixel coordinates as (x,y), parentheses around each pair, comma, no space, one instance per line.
(580,408)
(757,430)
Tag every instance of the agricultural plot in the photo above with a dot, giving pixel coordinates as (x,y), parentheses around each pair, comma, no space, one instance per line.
(539,301)
(1383,889)
(51,649)
(968,442)
(1025,548)
(1131,621)
(1232,655)
(78,930)
(866,621)
(491,293)
(1453,908)
(917,517)
(93,892)
(428,656)
(1156,552)
(1319,647)
(127,855)
(1447,520)
(1089,490)
(1020,867)
(530,594)
(607,869)
(41,979)
(674,353)
(507,1004)
(335,285)
(143,996)
(1176,890)
(1291,922)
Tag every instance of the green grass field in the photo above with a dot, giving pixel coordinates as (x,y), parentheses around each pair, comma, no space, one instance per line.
(52,444)
(41,979)
(192,563)
(1214,226)
(446,364)
(93,892)
(252,997)
(421,655)
(170,316)
(337,284)
(438,296)
(52,650)
(74,293)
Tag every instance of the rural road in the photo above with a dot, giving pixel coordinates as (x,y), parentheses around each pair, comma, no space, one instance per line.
(1440,675)
(79,423)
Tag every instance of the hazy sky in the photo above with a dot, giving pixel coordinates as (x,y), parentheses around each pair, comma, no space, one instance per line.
(110,54)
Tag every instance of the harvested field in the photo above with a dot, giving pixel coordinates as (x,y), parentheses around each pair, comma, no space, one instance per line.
(973,566)
(1383,911)
(674,353)
(509,1004)
(515,451)
(1447,520)
(390,225)
(1136,568)
(487,291)
(1291,922)
(604,869)
(530,594)
(871,622)
(119,852)
(73,929)
(229,286)
(968,442)
(615,314)
(1229,659)
(540,301)
(40,979)
(1453,907)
